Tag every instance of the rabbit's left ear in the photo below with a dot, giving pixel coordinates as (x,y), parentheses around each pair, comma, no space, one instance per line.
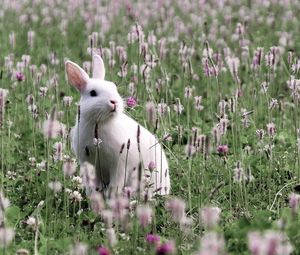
(98,67)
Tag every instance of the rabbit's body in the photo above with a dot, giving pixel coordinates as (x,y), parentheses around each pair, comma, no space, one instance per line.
(101,106)
(110,164)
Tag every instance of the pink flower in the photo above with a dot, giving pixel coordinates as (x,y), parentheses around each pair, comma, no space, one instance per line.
(151,166)
(103,251)
(166,248)
(153,239)
(131,102)
(223,149)
(20,76)
(294,202)
(144,215)
(210,216)
(176,207)
(271,129)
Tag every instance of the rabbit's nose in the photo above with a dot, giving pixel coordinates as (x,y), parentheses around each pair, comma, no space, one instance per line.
(114,104)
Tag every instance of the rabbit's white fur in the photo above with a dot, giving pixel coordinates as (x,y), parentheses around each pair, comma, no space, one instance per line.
(114,128)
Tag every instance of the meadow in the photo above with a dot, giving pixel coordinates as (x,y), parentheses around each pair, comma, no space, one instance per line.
(217,82)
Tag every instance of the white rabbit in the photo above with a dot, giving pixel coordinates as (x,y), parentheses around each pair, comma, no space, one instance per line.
(101,115)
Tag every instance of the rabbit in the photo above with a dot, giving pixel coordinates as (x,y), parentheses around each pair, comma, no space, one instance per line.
(118,158)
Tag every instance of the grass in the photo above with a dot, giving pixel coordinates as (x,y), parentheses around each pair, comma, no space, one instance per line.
(271,165)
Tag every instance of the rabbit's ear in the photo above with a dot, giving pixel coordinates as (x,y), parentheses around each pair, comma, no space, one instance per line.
(76,76)
(98,67)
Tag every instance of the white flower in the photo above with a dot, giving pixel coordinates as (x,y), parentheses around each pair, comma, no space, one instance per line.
(55,186)
(76,196)
(69,167)
(32,222)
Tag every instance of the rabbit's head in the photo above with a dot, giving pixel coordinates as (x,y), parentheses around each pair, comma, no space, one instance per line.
(100,99)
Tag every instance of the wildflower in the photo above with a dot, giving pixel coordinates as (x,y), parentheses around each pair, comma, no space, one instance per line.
(97,203)
(11,175)
(151,112)
(31,36)
(32,222)
(153,239)
(197,103)
(294,200)
(67,100)
(111,236)
(188,92)
(233,64)
(273,103)
(79,249)
(272,57)
(178,107)
(69,167)
(223,149)
(176,206)
(190,150)
(162,108)
(223,105)
(223,124)
(58,148)
(260,134)
(151,166)
(131,102)
(103,251)
(151,38)
(4,202)
(210,216)
(270,242)
(22,252)
(76,196)
(128,191)
(271,129)
(239,173)
(119,206)
(52,127)
(123,70)
(212,243)
(43,91)
(107,216)
(3,95)
(144,215)
(20,76)
(55,186)
(166,248)
(12,39)
(88,174)
(6,236)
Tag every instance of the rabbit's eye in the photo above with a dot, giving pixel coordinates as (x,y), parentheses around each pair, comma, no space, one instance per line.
(93,93)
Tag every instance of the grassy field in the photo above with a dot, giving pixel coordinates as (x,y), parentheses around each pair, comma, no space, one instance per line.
(217,81)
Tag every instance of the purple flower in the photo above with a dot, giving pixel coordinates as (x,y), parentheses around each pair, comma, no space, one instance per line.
(223,149)
(153,239)
(103,251)
(166,248)
(151,166)
(20,76)
(131,102)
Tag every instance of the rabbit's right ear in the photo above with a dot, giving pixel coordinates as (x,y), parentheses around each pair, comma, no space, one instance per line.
(76,75)
(98,67)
